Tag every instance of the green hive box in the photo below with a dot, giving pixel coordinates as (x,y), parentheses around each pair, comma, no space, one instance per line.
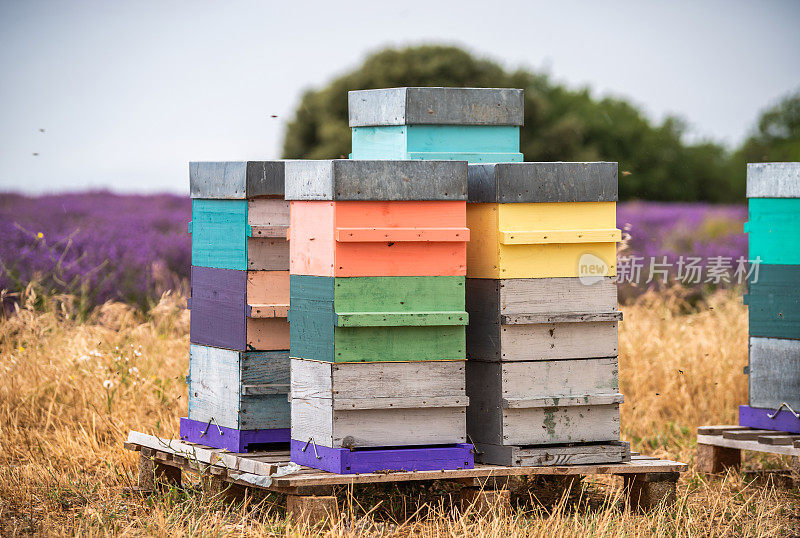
(373,319)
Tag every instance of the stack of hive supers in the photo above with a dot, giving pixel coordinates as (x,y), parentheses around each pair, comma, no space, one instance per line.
(773,298)
(239,365)
(542,299)
(377,320)
(477,125)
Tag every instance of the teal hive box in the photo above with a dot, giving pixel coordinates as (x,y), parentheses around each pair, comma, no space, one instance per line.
(774,228)
(773,301)
(474,144)
(478,125)
(240,234)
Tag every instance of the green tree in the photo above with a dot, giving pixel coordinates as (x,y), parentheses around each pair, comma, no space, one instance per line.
(561,124)
(777,134)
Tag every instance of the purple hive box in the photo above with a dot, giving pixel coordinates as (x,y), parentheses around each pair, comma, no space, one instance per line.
(754,417)
(229,438)
(346,461)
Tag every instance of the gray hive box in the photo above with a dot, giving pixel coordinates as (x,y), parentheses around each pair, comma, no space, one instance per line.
(344,179)
(773,180)
(236,179)
(543,182)
(436,106)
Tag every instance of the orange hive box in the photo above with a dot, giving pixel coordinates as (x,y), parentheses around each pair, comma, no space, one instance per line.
(374,238)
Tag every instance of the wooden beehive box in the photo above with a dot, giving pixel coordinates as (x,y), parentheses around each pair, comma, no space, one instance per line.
(378,404)
(773,301)
(542,220)
(369,319)
(536,319)
(239,390)
(773,298)
(465,124)
(240,234)
(242,310)
(377,218)
(543,402)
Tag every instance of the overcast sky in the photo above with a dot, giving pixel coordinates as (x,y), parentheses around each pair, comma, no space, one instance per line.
(128,92)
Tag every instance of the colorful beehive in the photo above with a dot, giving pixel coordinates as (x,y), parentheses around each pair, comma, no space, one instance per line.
(541,319)
(378,319)
(773,297)
(239,363)
(237,399)
(378,251)
(463,124)
(541,220)
(542,340)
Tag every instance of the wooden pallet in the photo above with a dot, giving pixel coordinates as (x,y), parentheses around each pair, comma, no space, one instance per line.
(720,447)
(650,480)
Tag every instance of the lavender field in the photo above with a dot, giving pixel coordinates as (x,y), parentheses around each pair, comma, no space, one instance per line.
(100,246)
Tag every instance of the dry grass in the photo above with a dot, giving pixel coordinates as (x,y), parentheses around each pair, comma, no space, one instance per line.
(71,391)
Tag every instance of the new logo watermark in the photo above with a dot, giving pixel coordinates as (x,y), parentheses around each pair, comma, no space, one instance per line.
(591,269)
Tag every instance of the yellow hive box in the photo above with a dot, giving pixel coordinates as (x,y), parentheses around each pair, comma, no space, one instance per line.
(542,240)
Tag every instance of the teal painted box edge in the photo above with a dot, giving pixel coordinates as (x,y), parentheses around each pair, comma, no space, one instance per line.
(313,333)
(255,411)
(474,144)
(774,301)
(219,233)
(774,230)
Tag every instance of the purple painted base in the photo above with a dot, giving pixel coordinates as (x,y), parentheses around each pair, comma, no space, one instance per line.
(371,460)
(229,438)
(753,417)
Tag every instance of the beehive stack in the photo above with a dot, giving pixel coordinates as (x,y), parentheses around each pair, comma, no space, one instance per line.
(477,125)
(239,365)
(773,298)
(377,320)
(542,339)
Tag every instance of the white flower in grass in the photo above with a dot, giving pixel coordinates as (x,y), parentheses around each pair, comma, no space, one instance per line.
(108,384)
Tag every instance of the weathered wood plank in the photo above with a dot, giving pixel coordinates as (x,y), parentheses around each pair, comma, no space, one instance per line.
(315,418)
(385,180)
(543,182)
(774,372)
(236,179)
(436,106)
(746,435)
(561,317)
(356,404)
(772,439)
(773,180)
(556,341)
(312,379)
(718,440)
(553,455)
(559,401)
(552,295)
(717,430)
